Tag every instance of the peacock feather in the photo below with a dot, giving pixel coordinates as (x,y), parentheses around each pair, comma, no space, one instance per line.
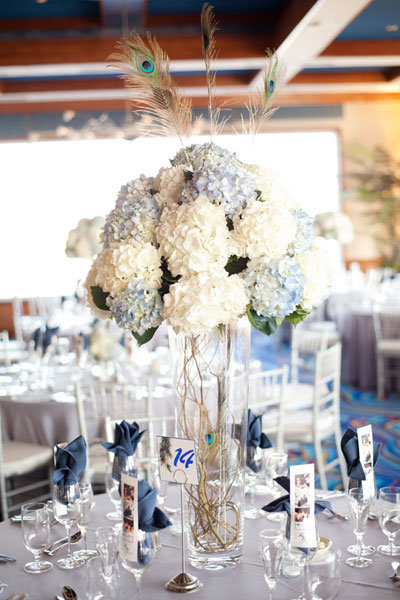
(145,68)
(260,107)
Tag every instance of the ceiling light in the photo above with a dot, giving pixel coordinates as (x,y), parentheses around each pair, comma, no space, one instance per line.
(392,27)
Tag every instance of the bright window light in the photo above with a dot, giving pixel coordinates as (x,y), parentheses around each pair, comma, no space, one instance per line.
(47,187)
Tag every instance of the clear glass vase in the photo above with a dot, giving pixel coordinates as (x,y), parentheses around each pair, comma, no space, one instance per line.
(211,393)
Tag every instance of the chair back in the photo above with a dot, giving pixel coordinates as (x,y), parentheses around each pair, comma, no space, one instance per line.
(305,342)
(266,392)
(327,385)
(4,348)
(386,323)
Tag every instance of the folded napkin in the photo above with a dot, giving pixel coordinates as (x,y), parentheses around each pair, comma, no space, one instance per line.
(150,517)
(42,338)
(126,438)
(255,436)
(349,445)
(70,462)
(283,504)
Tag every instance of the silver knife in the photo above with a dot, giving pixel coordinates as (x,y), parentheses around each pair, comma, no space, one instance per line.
(7,558)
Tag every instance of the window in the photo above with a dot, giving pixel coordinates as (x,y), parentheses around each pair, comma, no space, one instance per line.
(47,187)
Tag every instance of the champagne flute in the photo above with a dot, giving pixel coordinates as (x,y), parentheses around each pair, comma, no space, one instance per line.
(112,489)
(145,554)
(35,526)
(107,544)
(302,556)
(85,504)
(389,518)
(66,511)
(270,545)
(359,504)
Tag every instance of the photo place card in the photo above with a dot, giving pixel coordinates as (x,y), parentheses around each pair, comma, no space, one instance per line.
(303,532)
(129,498)
(366,453)
(177,460)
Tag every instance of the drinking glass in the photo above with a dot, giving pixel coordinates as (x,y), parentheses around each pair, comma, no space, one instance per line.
(145,554)
(359,505)
(66,511)
(85,504)
(107,545)
(35,525)
(162,486)
(302,557)
(325,576)
(276,465)
(97,586)
(270,546)
(112,489)
(389,518)
(254,458)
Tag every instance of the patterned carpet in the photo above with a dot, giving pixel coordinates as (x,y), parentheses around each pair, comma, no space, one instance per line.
(358,407)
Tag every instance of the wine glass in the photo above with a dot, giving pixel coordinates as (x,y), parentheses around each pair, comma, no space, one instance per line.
(270,545)
(85,504)
(325,576)
(112,489)
(66,511)
(107,544)
(97,586)
(302,557)
(276,465)
(145,554)
(359,504)
(389,518)
(35,525)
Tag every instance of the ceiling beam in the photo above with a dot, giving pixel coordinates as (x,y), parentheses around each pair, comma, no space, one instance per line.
(49,23)
(362,48)
(319,27)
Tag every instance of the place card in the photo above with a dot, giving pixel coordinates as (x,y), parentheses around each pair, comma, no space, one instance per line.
(129,499)
(366,453)
(303,532)
(177,460)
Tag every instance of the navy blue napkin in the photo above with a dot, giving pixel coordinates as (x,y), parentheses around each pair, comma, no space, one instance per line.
(349,445)
(150,517)
(283,504)
(43,338)
(126,438)
(255,436)
(70,462)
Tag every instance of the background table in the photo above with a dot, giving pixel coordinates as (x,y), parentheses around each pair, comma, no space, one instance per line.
(244,581)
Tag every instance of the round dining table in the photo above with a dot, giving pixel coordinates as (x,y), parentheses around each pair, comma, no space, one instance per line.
(244,582)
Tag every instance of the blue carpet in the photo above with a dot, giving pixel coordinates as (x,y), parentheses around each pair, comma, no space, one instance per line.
(358,407)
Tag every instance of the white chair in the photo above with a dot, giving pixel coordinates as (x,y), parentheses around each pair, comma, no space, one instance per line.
(317,424)
(387,336)
(304,343)
(19,460)
(266,393)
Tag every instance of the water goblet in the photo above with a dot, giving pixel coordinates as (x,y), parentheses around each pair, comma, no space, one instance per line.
(389,518)
(112,489)
(253,468)
(107,545)
(270,545)
(145,553)
(359,505)
(66,512)
(35,527)
(85,504)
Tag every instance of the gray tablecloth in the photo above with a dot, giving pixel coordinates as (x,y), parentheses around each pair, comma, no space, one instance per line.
(358,350)
(245,581)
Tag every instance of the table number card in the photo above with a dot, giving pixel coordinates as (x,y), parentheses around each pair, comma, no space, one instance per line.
(303,533)
(366,453)
(177,460)
(129,498)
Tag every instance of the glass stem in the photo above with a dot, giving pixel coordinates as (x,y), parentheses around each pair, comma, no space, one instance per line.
(138,577)
(391,539)
(85,541)
(68,528)
(37,554)
(359,537)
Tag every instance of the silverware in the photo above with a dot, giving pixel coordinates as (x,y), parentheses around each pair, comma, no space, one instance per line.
(7,558)
(68,593)
(23,597)
(336,516)
(12,597)
(395,564)
(74,539)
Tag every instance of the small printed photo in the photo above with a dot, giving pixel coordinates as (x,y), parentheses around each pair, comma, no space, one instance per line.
(366,439)
(302,481)
(128,526)
(368,467)
(128,511)
(301,513)
(301,499)
(129,492)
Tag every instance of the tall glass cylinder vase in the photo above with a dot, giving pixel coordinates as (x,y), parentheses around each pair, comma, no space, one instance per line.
(211,393)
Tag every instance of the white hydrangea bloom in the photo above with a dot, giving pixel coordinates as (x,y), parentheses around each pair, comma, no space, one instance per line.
(262,229)
(272,187)
(89,283)
(137,261)
(196,304)
(105,272)
(315,265)
(170,183)
(193,237)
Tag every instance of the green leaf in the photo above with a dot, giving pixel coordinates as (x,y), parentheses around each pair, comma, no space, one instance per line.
(229,224)
(267,325)
(153,191)
(236,264)
(221,331)
(297,316)
(188,175)
(259,196)
(99,297)
(145,337)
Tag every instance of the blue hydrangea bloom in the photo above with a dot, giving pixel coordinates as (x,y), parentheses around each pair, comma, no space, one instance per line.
(138,308)
(304,238)
(276,288)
